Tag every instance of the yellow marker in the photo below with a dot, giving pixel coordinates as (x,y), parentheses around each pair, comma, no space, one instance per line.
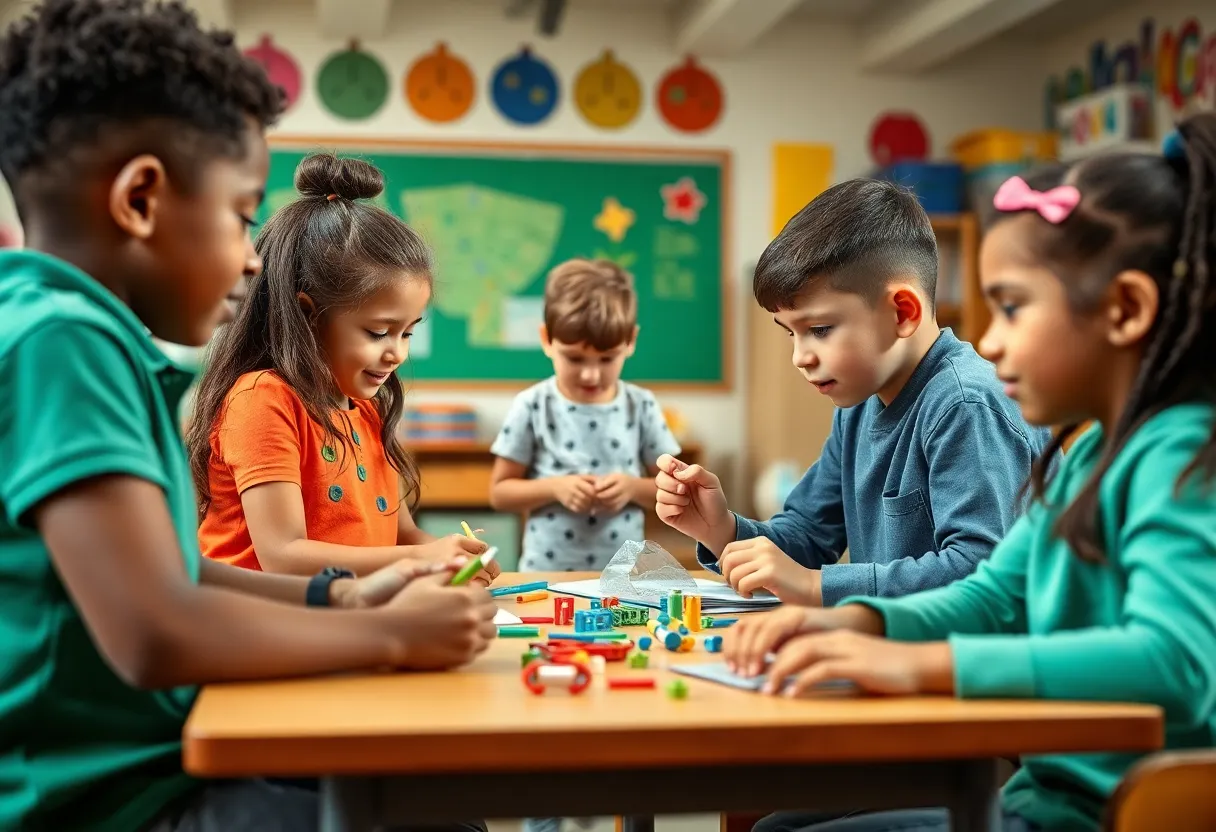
(467,531)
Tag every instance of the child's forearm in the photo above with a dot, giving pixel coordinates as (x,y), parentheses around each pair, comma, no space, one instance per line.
(308,557)
(247,637)
(290,589)
(521,495)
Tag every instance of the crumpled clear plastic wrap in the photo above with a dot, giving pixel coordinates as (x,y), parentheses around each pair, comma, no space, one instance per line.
(644,571)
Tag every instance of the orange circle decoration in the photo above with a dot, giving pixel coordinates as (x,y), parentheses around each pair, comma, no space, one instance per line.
(439,85)
(608,93)
(689,97)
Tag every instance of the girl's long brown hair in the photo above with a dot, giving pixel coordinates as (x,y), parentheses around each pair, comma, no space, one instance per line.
(338,251)
(1157,215)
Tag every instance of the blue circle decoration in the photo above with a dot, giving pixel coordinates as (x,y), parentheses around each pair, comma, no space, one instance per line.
(335,493)
(524,88)
(382,504)
(362,472)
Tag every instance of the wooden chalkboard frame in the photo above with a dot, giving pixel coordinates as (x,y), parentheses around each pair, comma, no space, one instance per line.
(719,156)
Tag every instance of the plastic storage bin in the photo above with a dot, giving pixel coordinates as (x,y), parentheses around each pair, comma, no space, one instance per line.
(438,423)
(982,148)
(938,185)
(982,184)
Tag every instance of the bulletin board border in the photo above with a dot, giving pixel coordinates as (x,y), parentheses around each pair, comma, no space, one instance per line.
(607,152)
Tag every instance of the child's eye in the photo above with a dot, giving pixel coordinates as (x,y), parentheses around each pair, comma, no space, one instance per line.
(375,336)
(820,331)
(1009,310)
(248,222)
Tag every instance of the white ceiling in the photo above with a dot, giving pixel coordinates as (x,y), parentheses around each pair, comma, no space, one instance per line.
(904,36)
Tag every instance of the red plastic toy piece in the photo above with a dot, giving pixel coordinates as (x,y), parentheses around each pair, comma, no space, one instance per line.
(612,651)
(578,680)
(563,611)
(630,683)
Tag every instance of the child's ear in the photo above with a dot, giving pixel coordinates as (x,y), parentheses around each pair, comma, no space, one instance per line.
(308,306)
(137,194)
(1132,304)
(633,342)
(546,343)
(909,310)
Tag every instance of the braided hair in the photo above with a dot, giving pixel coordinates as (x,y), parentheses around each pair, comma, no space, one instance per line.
(1153,214)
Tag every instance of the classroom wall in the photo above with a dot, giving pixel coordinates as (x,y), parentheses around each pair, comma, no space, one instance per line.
(800,83)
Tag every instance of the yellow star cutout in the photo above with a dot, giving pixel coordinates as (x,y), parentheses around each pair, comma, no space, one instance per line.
(615,219)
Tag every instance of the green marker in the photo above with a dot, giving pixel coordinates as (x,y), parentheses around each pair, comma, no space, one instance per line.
(515,631)
(474,566)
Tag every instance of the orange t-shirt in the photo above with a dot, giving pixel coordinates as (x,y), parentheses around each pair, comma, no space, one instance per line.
(264,434)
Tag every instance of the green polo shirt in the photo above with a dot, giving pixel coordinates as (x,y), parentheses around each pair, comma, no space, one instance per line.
(83,392)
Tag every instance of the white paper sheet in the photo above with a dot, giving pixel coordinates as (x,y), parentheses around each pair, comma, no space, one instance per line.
(717,598)
(503,617)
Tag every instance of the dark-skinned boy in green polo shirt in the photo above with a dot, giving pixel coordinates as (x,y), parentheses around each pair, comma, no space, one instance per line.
(133,144)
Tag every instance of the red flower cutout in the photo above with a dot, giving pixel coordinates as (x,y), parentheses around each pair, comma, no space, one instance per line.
(683,201)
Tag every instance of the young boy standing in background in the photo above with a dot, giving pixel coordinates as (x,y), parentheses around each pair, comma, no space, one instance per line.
(577,451)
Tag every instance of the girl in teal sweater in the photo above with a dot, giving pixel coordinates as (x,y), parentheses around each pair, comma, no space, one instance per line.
(1101,279)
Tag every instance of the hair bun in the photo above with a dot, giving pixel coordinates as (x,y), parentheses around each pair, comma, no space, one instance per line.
(323,174)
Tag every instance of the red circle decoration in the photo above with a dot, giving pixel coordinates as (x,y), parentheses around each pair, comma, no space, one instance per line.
(689,97)
(280,67)
(898,137)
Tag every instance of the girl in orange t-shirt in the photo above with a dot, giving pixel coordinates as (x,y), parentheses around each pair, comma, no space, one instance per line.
(292,444)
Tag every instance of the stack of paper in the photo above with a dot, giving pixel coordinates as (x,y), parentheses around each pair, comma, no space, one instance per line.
(717,598)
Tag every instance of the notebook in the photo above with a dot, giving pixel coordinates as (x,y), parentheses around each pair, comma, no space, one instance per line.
(717,598)
(718,672)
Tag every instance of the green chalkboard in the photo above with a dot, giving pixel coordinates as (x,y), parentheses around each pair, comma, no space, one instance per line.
(499,217)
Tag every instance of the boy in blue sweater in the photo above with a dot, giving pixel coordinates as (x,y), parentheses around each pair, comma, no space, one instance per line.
(921,474)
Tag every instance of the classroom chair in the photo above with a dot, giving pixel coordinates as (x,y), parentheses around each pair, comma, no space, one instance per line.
(1171,790)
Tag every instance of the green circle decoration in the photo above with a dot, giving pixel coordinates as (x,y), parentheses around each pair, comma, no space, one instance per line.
(352,84)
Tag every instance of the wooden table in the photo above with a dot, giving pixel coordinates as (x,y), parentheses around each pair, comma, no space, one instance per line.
(475,743)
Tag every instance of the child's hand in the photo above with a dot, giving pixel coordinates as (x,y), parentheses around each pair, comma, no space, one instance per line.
(440,626)
(614,492)
(383,584)
(576,492)
(459,549)
(748,644)
(874,664)
(690,500)
(749,565)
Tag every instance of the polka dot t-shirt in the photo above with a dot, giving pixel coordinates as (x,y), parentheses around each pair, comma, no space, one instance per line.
(555,437)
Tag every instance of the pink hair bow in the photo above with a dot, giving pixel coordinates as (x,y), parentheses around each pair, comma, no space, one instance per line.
(1054,205)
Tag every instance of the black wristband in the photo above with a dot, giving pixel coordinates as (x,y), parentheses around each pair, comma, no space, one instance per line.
(317,593)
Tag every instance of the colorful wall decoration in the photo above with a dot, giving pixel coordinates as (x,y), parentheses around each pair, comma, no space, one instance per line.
(608,93)
(1179,64)
(439,86)
(281,68)
(898,137)
(689,97)
(352,84)
(524,88)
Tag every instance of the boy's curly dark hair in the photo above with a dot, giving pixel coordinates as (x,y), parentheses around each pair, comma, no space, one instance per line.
(77,75)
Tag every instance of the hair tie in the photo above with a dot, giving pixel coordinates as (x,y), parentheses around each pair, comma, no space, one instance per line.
(332,197)
(1054,205)
(1174,147)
